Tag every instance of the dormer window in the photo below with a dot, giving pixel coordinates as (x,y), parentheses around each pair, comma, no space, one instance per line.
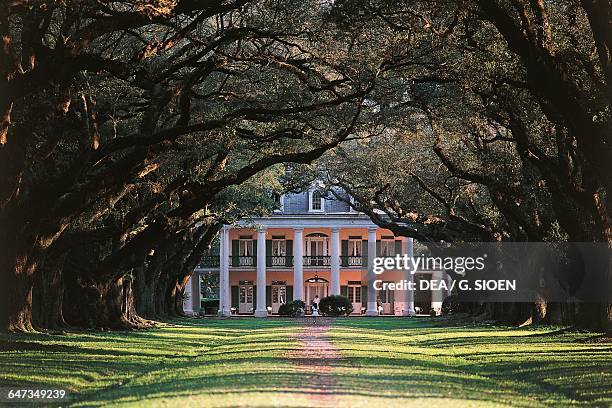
(355,205)
(279,201)
(316,201)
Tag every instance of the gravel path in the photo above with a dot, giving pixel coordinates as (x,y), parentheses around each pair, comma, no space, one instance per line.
(315,358)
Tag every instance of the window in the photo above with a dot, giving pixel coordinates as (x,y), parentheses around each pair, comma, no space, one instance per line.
(356,205)
(354,247)
(246,294)
(387,247)
(279,294)
(354,294)
(354,252)
(383,296)
(278,247)
(245,247)
(246,252)
(279,201)
(316,200)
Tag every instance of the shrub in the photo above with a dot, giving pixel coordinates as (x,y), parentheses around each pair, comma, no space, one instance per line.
(454,305)
(210,306)
(335,305)
(450,305)
(292,309)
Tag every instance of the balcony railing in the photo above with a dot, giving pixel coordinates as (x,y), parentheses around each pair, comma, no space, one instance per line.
(283,261)
(279,261)
(317,260)
(209,261)
(243,261)
(353,261)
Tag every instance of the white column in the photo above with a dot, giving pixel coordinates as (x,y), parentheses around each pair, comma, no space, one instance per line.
(371,276)
(437,296)
(335,261)
(405,306)
(298,265)
(260,310)
(225,303)
(187,298)
(196,295)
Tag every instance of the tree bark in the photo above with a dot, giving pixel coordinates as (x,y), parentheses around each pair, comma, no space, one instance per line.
(48,293)
(19,260)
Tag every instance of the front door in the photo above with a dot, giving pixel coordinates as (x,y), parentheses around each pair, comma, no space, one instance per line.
(385,297)
(315,289)
(245,299)
(354,296)
(422,298)
(279,296)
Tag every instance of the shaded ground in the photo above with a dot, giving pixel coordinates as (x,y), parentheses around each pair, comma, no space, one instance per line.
(346,362)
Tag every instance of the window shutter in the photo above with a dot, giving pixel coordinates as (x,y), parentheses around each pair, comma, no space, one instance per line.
(268,252)
(378,245)
(234,301)
(364,297)
(289,255)
(398,247)
(235,252)
(344,252)
(364,252)
(254,304)
(289,294)
(344,291)
(268,296)
(255,252)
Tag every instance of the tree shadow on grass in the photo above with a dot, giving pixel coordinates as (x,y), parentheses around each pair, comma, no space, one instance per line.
(545,365)
(234,322)
(524,340)
(457,336)
(428,380)
(535,379)
(77,359)
(220,358)
(279,379)
(13,346)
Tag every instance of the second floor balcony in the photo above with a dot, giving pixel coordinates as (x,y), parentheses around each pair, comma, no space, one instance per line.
(284,261)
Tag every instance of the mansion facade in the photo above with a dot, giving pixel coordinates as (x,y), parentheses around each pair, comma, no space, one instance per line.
(312,246)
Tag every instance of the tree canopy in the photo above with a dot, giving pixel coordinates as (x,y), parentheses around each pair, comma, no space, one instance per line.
(132,130)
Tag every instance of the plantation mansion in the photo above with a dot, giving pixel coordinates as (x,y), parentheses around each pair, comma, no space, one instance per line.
(313,246)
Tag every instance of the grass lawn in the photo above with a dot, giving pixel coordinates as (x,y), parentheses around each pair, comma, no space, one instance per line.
(384,361)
